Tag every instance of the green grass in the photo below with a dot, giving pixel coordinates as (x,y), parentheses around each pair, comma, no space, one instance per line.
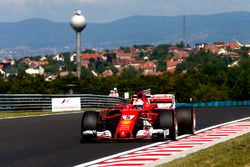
(233,153)
(36,113)
(31,113)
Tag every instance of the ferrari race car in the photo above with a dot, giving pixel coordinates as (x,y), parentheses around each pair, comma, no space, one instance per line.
(152,117)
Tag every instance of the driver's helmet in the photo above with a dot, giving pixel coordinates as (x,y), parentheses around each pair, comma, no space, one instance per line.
(138,104)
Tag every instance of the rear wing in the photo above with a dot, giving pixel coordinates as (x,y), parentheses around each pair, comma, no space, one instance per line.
(163,100)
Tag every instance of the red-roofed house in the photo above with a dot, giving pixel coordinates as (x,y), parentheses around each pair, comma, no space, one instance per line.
(149,67)
(173,49)
(123,59)
(180,55)
(212,48)
(107,73)
(123,55)
(41,63)
(171,65)
(85,57)
(232,45)
(135,51)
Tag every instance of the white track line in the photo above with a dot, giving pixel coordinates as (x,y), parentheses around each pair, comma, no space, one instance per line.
(223,124)
(119,154)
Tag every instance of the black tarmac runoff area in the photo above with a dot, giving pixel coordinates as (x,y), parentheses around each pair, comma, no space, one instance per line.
(55,140)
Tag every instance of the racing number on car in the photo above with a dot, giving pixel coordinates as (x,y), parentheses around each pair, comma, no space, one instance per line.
(128,117)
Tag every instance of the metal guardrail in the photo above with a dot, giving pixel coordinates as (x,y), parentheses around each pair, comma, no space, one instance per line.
(43,102)
(215,104)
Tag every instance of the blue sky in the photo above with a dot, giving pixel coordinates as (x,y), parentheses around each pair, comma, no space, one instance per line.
(98,11)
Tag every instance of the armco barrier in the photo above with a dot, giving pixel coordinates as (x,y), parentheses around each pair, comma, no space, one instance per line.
(43,102)
(215,104)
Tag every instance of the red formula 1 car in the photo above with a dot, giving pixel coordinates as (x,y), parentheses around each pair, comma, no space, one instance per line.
(147,117)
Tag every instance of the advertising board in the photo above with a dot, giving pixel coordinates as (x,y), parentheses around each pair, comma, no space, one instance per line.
(66,104)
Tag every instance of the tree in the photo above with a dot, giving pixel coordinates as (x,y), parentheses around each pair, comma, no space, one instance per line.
(91,65)
(110,57)
(51,68)
(209,93)
(185,87)
(161,65)
(202,61)
(125,49)
(88,51)
(86,74)
(69,66)
(181,45)
(145,46)
(129,72)
(160,52)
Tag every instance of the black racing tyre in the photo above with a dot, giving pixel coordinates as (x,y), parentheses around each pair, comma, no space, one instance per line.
(186,119)
(89,122)
(167,120)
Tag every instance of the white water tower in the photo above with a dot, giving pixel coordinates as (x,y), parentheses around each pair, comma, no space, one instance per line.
(78,23)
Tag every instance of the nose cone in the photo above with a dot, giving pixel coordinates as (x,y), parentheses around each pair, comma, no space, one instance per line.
(78,22)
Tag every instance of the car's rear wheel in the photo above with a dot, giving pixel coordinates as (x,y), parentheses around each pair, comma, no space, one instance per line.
(89,122)
(167,120)
(186,119)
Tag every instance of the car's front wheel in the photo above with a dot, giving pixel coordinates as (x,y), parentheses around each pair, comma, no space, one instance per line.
(89,123)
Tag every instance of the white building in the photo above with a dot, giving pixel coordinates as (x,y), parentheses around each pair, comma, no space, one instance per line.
(58,57)
(73,57)
(37,71)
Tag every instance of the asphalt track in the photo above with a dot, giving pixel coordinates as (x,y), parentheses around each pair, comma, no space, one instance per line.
(54,140)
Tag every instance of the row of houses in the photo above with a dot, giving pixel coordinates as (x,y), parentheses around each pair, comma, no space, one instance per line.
(129,57)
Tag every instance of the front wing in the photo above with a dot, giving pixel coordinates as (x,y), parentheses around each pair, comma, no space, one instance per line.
(148,133)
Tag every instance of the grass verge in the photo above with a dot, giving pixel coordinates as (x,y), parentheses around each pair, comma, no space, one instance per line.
(31,113)
(37,113)
(233,153)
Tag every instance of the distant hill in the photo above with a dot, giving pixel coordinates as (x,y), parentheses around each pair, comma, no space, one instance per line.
(41,33)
